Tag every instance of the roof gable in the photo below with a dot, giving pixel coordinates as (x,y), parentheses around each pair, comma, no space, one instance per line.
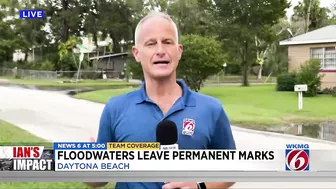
(323,35)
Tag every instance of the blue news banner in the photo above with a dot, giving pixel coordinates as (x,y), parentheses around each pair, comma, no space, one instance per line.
(79,146)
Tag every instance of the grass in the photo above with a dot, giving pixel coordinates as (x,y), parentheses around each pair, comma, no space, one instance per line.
(108,83)
(67,83)
(254,107)
(220,78)
(262,106)
(10,134)
(102,96)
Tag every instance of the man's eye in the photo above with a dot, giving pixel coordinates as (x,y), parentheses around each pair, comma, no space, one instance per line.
(170,42)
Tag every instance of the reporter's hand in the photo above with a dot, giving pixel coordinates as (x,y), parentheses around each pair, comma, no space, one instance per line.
(95,185)
(91,139)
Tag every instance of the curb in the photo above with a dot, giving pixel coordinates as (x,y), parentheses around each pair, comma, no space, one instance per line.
(279,135)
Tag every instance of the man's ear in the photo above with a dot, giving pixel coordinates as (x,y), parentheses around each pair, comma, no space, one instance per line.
(135,52)
(180,51)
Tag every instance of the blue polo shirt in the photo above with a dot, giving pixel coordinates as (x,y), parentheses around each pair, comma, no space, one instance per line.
(133,117)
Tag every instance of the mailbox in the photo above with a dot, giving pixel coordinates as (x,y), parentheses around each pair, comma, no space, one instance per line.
(300,88)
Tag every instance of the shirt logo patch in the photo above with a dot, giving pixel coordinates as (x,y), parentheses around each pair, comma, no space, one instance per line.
(188,127)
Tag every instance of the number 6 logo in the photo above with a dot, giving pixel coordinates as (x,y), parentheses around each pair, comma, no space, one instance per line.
(297,160)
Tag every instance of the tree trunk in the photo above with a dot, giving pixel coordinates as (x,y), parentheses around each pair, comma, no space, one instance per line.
(260,72)
(245,75)
(245,65)
(65,32)
(307,16)
(26,56)
(116,45)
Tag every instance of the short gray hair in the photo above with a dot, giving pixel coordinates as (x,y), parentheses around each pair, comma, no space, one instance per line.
(150,15)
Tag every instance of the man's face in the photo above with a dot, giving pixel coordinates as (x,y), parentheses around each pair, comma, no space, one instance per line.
(158,49)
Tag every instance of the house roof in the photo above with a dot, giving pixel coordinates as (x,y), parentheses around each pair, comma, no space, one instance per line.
(323,35)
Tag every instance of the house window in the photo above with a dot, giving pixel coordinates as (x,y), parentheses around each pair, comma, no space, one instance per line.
(327,56)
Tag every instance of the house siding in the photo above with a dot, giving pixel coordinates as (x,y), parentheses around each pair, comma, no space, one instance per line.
(298,54)
(328,80)
(113,66)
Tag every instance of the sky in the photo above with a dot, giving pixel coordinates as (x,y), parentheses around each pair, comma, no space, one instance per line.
(323,3)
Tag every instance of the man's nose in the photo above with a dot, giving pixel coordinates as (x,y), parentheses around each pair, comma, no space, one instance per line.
(160,50)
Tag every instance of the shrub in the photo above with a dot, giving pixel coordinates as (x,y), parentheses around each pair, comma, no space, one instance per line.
(286,81)
(309,74)
(135,68)
(329,91)
(47,65)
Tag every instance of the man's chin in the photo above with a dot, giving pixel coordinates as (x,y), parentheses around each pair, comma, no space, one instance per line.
(162,76)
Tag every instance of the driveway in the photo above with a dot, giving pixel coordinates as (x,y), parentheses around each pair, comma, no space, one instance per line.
(57,117)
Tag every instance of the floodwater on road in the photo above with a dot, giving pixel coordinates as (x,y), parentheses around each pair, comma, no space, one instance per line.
(324,131)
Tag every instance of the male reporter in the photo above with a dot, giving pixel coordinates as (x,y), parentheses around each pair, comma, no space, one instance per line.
(133,117)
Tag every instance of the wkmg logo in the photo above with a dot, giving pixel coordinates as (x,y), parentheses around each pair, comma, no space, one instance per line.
(297,157)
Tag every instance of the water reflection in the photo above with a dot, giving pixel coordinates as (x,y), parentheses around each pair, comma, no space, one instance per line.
(324,131)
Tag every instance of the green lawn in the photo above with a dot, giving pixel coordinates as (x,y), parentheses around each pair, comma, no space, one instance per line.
(67,83)
(102,96)
(16,136)
(256,106)
(220,78)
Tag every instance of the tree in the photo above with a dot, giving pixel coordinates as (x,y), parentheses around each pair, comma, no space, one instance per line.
(332,8)
(202,57)
(65,17)
(65,53)
(192,18)
(32,30)
(28,32)
(241,22)
(9,42)
(261,54)
(276,56)
(310,12)
(115,19)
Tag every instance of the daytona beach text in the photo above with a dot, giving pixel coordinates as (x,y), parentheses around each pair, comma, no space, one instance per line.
(164,155)
(92,166)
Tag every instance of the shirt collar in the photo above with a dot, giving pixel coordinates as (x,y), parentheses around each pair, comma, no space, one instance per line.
(187,94)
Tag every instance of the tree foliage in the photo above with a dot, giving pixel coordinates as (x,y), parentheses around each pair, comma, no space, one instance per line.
(312,15)
(202,57)
(191,18)
(235,23)
(8,40)
(241,21)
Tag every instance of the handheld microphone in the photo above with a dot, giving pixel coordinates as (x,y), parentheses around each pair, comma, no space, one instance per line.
(166,135)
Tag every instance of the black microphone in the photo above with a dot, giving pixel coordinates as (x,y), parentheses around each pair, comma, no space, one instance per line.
(166,135)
